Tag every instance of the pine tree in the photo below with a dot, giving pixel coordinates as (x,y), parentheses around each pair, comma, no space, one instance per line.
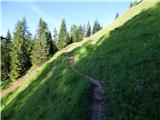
(76,33)
(80,33)
(96,27)
(55,36)
(82,30)
(133,3)
(63,39)
(8,36)
(72,33)
(52,46)
(19,50)
(43,45)
(28,48)
(88,30)
(5,57)
(117,15)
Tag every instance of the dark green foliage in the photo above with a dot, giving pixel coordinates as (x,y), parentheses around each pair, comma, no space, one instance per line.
(135,2)
(96,27)
(82,30)
(52,46)
(8,37)
(55,36)
(63,39)
(5,57)
(19,50)
(43,45)
(76,33)
(88,30)
(117,15)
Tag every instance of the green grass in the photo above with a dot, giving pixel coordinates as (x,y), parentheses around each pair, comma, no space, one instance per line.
(126,55)
(5,84)
(128,60)
(55,94)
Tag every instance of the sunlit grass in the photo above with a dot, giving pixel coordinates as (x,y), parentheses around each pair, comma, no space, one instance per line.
(124,55)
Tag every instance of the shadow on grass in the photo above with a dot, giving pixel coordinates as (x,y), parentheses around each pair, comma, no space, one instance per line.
(128,60)
(51,96)
(132,90)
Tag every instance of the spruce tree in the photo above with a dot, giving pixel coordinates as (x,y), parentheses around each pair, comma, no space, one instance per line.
(43,45)
(55,36)
(133,3)
(5,57)
(88,30)
(96,27)
(19,50)
(52,46)
(63,38)
(82,30)
(76,33)
(117,15)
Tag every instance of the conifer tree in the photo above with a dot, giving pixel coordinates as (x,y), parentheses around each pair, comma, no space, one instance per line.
(76,33)
(43,45)
(117,15)
(52,46)
(88,30)
(82,30)
(96,27)
(5,57)
(133,3)
(63,38)
(55,36)
(19,53)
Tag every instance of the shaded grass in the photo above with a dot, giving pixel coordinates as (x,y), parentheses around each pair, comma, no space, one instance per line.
(5,84)
(57,93)
(128,60)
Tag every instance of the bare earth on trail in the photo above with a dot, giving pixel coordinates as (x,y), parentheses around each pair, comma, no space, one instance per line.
(96,109)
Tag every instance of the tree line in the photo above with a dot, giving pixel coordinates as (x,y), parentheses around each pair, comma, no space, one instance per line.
(21,51)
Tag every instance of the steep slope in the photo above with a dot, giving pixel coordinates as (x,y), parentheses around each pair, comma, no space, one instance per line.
(124,55)
(128,60)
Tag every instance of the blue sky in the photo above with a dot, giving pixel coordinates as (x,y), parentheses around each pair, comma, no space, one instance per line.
(53,12)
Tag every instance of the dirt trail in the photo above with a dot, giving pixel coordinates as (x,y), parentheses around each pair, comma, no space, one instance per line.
(96,109)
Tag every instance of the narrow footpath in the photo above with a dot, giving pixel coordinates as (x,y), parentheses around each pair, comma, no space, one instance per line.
(96,107)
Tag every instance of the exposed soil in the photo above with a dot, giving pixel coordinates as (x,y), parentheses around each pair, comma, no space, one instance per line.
(96,107)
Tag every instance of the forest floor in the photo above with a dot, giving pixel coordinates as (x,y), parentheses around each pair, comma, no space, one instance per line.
(96,107)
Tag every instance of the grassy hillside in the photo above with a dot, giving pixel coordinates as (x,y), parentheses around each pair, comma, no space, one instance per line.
(54,93)
(126,56)
(128,60)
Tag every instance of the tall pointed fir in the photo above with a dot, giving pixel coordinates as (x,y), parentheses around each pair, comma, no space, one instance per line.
(88,30)
(82,31)
(55,39)
(76,33)
(55,36)
(52,46)
(19,53)
(5,57)
(117,15)
(63,38)
(96,27)
(42,48)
